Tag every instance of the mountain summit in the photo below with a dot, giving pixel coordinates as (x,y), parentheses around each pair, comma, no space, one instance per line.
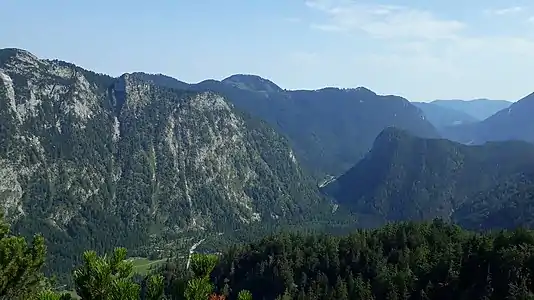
(252,82)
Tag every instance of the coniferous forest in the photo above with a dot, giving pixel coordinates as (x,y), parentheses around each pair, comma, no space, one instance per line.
(145,187)
(430,260)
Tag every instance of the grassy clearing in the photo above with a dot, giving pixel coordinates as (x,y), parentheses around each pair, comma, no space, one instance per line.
(143,265)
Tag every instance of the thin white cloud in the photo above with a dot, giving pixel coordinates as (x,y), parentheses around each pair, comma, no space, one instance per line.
(440,56)
(383,21)
(504,11)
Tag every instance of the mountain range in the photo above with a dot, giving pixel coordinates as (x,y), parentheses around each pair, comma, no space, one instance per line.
(153,163)
(93,161)
(330,129)
(480,109)
(511,123)
(443,117)
(449,113)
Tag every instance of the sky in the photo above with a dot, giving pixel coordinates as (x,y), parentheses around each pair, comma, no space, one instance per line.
(419,49)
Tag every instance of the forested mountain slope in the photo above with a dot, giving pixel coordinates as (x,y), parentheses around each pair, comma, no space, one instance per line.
(508,205)
(409,178)
(330,129)
(94,162)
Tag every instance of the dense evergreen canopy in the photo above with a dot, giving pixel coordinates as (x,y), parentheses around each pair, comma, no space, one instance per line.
(398,261)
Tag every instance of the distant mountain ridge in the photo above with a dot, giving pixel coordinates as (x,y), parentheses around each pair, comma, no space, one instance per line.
(330,129)
(442,116)
(478,108)
(511,123)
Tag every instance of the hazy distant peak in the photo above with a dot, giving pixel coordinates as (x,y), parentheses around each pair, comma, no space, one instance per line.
(470,100)
(252,82)
(363,89)
(360,90)
(209,81)
(478,108)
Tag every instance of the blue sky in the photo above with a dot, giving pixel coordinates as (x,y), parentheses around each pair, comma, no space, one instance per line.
(419,49)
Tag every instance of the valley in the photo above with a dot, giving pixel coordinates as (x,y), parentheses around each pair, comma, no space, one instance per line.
(239,184)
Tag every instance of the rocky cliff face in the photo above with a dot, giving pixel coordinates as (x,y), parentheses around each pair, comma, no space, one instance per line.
(45,108)
(330,129)
(95,162)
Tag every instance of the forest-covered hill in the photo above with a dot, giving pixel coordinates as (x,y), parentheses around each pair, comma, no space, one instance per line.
(405,177)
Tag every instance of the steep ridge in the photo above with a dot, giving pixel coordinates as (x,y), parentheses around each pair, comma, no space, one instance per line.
(512,123)
(94,162)
(330,129)
(409,178)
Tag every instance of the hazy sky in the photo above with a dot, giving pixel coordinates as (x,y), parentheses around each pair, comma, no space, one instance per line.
(419,49)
